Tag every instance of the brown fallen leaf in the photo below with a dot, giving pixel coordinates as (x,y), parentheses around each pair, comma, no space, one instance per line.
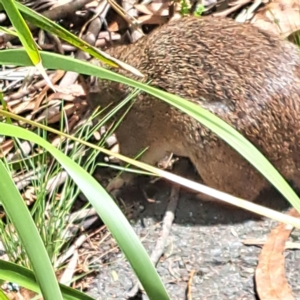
(5,147)
(69,109)
(271,283)
(117,24)
(55,78)
(23,107)
(281,17)
(159,9)
(74,89)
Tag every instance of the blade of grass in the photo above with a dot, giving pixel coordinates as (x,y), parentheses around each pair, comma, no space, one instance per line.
(218,126)
(263,211)
(9,31)
(2,295)
(17,211)
(25,278)
(22,30)
(25,36)
(107,209)
(42,22)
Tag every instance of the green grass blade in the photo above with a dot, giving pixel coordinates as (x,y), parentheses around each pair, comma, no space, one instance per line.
(22,30)
(2,295)
(9,31)
(25,278)
(48,25)
(17,211)
(107,209)
(25,36)
(44,23)
(218,126)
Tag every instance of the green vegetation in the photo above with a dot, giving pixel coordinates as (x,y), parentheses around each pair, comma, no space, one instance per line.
(44,238)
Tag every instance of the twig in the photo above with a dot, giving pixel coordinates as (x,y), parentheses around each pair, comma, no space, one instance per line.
(167,224)
(189,287)
(90,37)
(166,228)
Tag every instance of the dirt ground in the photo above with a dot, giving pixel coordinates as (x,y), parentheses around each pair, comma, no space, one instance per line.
(206,237)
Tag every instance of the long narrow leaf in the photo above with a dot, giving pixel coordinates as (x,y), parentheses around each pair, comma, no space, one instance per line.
(107,209)
(42,22)
(25,36)
(22,30)
(8,31)
(250,206)
(16,209)
(25,278)
(218,126)
(3,296)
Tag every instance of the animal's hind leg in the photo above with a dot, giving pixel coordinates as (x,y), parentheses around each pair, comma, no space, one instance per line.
(224,169)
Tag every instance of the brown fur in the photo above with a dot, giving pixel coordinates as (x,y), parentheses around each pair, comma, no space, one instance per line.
(246,76)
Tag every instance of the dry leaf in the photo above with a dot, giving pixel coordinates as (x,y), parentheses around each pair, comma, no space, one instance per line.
(281,17)
(5,147)
(23,106)
(118,24)
(75,90)
(271,282)
(54,114)
(158,9)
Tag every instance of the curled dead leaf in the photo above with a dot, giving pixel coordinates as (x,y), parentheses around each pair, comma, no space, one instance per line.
(158,9)
(271,282)
(280,17)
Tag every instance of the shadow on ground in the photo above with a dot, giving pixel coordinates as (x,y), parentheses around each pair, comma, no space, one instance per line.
(206,237)
(190,208)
